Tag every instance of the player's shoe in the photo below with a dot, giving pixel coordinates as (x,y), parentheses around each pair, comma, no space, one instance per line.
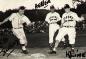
(72,50)
(52,52)
(25,51)
(64,45)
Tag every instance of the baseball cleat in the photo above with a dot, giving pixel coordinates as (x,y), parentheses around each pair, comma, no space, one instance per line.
(25,51)
(52,52)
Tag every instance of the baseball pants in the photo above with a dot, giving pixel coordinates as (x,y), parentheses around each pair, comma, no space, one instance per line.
(70,31)
(19,33)
(52,29)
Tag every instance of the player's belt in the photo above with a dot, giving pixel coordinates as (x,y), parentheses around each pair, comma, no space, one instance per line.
(53,23)
(68,26)
(18,28)
(70,20)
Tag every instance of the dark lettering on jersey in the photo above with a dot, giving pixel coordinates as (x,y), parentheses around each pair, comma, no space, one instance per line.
(68,18)
(53,18)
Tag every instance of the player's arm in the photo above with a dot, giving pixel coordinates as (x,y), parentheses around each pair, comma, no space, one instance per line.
(8,19)
(27,21)
(58,17)
(78,19)
(47,18)
(4,21)
(62,20)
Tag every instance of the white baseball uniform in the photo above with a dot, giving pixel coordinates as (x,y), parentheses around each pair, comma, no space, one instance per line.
(17,24)
(68,27)
(52,19)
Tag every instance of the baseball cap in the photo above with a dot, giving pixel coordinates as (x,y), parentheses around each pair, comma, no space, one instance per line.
(52,7)
(66,6)
(22,7)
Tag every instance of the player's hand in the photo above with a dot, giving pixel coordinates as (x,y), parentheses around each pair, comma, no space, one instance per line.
(82,18)
(30,24)
(33,23)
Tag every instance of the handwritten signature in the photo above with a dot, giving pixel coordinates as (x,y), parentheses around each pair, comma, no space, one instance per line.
(42,3)
(69,54)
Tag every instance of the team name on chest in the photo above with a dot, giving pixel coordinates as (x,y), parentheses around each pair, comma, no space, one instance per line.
(53,18)
(68,18)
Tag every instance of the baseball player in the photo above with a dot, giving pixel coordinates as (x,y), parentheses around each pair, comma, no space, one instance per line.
(52,18)
(69,19)
(17,20)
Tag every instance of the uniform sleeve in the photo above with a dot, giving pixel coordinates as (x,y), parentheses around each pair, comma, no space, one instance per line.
(47,18)
(11,17)
(58,17)
(62,20)
(75,16)
(26,20)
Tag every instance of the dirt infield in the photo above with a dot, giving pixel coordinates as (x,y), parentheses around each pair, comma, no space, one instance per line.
(41,53)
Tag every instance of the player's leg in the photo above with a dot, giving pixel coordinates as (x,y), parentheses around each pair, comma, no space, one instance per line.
(56,27)
(21,36)
(64,42)
(72,36)
(51,36)
(52,30)
(24,37)
(23,41)
(60,35)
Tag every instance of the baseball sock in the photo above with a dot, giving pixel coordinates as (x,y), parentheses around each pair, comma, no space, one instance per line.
(72,46)
(50,46)
(23,46)
(56,45)
(54,49)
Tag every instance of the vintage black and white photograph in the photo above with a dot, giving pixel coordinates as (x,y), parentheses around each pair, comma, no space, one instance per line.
(42,29)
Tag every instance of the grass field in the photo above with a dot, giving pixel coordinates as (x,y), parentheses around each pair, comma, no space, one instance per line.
(38,44)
